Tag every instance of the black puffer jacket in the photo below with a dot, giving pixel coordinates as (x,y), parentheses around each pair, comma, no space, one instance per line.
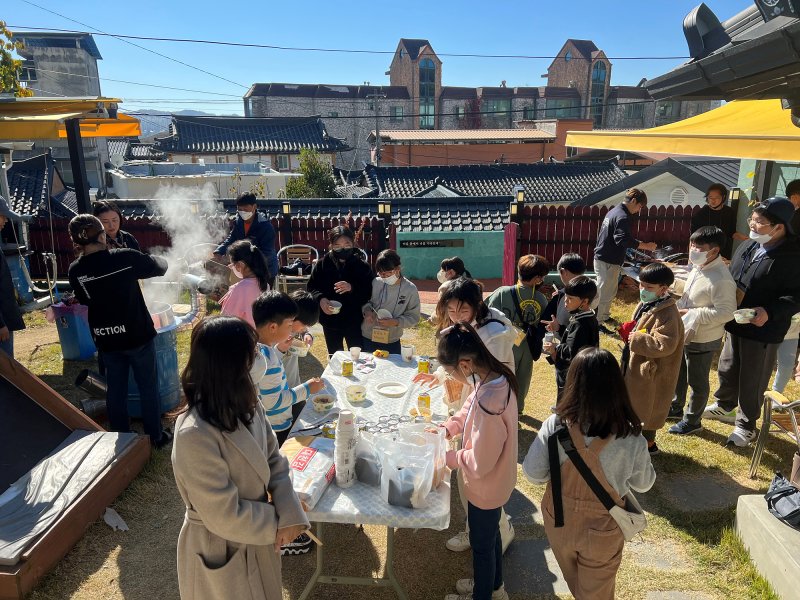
(771,281)
(10,315)
(354,271)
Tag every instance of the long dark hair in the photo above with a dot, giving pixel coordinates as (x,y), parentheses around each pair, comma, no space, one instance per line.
(248,253)
(84,229)
(462,341)
(466,291)
(216,381)
(595,397)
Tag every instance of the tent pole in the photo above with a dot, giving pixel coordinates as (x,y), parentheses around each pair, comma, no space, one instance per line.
(76,159)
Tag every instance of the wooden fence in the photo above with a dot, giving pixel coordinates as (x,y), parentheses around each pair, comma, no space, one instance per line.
(554,230)
(372,237)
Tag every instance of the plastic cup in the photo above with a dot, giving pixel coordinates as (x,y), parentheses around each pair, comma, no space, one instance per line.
(355,352)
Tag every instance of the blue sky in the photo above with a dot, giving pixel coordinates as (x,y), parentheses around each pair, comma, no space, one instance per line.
(620,28)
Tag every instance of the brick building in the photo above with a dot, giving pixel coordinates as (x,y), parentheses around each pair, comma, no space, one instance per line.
(578,87)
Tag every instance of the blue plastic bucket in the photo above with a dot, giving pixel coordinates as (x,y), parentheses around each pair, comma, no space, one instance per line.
(72,322)
(169,385)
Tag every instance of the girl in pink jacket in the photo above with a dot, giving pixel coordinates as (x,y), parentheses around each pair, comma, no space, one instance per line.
(488,456)
(249,264)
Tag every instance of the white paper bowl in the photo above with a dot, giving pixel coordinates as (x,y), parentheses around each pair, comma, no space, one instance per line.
(323,402)
(298,348)
(356,393)
(334,307)
(744,315)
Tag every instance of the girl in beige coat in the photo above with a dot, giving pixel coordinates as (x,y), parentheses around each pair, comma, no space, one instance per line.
(653,350)
(240,505)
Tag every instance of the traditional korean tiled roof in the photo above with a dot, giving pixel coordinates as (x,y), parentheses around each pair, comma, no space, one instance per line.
(30,182)
(543,181)
(133,149)
(248,134)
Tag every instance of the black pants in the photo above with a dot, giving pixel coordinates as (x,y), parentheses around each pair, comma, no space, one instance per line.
(335,338)
(487,550)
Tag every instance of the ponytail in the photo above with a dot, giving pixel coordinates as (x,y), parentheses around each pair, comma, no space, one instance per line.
(462,341)
(246,252)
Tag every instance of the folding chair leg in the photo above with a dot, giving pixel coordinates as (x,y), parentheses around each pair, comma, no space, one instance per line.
(761,441)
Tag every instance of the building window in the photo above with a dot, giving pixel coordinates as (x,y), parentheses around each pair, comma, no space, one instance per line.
(427,93)
(333,114)
(27,72)
(568,56)
(497,113)
(221,160)
(395,113)
(562,108)
(678,195)
(598,92)
(634,110)
(283,162)
(459,113)
(667,112)
(528,113)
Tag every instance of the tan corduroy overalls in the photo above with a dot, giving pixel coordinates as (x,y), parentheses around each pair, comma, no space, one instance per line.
(588,547)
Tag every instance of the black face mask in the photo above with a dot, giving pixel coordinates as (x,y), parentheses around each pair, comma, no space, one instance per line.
(343,253)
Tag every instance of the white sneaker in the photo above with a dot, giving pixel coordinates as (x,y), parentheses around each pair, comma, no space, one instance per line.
(741,437)
(713,411)
(459,542)
(507,534)
(464,588)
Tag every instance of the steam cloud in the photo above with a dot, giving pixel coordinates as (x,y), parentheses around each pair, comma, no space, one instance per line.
(194,221)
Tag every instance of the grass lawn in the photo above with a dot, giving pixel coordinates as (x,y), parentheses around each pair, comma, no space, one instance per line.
(685,551)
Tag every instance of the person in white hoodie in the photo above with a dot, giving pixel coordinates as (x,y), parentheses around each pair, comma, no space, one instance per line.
(707,303)
(462,302)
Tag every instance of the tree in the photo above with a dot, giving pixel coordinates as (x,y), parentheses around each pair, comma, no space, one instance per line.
(10,66)
(316,179)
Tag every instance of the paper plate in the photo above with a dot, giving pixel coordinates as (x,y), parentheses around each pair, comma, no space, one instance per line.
(393,389)
(384,314)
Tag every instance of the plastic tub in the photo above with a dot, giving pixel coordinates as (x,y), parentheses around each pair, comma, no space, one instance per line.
(72,322)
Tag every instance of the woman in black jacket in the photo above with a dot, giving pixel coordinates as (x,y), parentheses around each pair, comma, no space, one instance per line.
(111,217)
(341,276)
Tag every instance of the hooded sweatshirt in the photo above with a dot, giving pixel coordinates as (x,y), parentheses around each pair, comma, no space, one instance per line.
(400,299)
(488,454)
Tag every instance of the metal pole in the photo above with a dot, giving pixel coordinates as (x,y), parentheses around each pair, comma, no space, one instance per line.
(76,159)
(377,107)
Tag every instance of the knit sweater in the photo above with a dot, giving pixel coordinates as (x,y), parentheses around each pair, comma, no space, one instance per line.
(710,297)
(274,392)
(488,455)
(238,301)
(625,461)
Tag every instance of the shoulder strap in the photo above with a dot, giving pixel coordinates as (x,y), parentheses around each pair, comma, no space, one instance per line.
(515,298)
(572,453)
(555,478)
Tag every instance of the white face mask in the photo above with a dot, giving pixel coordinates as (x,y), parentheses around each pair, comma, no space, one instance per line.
(237,272)
(259,367)
(697,257)
(391,280)
(441,277)
(245,215)
(761,238)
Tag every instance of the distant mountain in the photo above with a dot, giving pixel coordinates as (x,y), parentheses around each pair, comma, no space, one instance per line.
(155,123)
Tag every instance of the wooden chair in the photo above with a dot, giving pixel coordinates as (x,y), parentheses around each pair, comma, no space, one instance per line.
(308,254)
(779,415)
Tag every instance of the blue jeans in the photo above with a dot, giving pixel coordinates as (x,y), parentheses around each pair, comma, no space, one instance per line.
(8,345)
(487,550)
(367,345)
(787,353)
(143,362)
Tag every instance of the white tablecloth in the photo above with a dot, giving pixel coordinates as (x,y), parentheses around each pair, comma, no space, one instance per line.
(363,504)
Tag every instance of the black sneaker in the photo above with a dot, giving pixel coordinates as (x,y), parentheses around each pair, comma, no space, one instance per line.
(166,438)
(683,427)
(606,330)
(299,545)
(652,448)
(675,413)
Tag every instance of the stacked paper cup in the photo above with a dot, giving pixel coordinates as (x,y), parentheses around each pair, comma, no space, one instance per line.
(344,454)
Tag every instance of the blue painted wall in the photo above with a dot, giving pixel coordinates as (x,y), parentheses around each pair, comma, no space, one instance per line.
(482,253)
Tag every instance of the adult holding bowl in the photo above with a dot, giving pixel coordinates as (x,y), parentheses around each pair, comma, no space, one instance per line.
(342,284)
(766,271)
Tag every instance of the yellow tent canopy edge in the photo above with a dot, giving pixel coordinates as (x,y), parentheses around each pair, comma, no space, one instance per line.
(758,129)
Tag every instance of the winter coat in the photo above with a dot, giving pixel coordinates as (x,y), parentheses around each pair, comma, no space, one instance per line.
(237,493)
(355,271)
(10,314)
(261,233)
(655,360)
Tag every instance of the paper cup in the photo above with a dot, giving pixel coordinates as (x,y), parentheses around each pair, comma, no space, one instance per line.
(356,393)
(334,306)
(407,352)
(355,352)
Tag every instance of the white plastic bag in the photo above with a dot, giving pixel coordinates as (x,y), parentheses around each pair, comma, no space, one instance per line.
(407,473)
(368,462)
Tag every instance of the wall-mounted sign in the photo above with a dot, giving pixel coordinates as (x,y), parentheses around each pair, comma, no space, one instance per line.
(432,243)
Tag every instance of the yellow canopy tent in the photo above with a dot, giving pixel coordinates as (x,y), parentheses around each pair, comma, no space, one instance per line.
(757,129)
(44,118)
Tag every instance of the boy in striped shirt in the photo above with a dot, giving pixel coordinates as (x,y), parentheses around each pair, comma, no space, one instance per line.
(274,314)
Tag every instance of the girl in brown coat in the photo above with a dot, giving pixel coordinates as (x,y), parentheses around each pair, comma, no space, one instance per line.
(240,504)
(653,350)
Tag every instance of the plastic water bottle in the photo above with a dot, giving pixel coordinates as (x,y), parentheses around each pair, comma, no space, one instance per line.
(344,449)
